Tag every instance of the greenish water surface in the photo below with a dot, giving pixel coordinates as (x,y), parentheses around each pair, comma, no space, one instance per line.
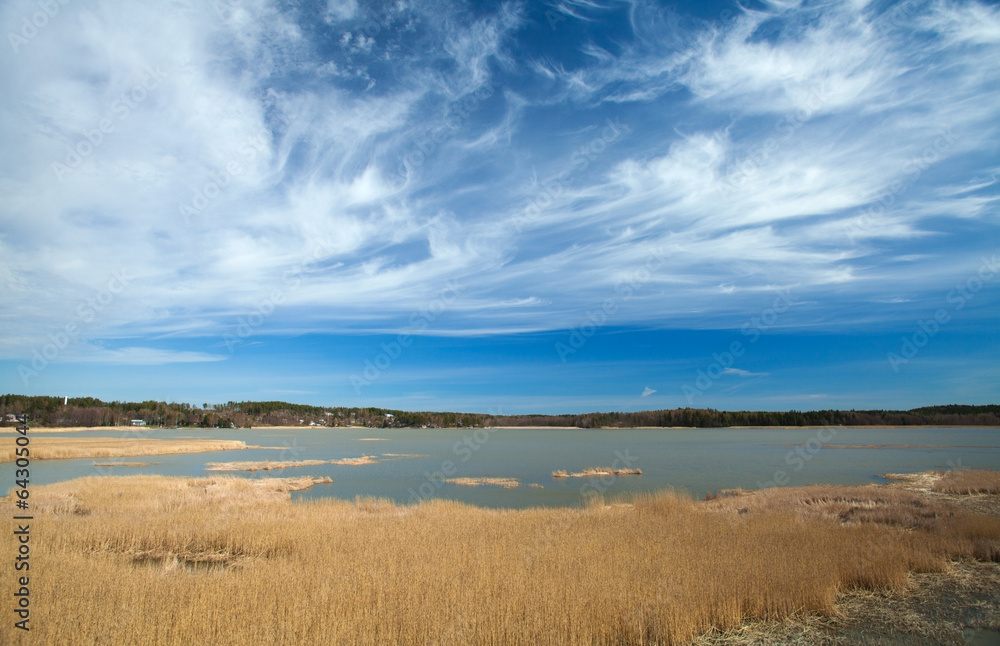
(415,461)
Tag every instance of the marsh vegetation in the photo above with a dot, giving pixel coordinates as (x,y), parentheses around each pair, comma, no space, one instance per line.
(66,448)
(597,472)
(268,465)
(225,560)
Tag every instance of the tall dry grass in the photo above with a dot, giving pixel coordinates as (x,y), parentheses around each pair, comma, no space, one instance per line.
(56,448)
(156,560)
(968,482)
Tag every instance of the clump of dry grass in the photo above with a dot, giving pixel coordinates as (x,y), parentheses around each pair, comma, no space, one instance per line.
(186,558)
(506,483)
(62,448)
(968,482)
(262,465)
(725,493)
(951,528)
(842,504)
(597,471)
(363,460)
(268,465)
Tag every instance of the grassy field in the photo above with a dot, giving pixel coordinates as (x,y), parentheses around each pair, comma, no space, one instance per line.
(224,560)
(968,482)
(60,448)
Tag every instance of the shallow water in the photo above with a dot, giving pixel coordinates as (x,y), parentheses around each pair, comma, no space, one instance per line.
(695,460)
(982,637)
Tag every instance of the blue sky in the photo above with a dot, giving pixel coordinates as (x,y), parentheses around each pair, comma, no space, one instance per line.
(517,207)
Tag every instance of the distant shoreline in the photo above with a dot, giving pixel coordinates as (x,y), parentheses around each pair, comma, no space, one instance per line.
(79,411)
(194,429)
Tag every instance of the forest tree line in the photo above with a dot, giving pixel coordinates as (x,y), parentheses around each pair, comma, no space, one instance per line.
(91,412)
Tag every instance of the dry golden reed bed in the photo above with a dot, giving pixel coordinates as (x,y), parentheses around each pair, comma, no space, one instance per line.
(968,482)
(597,471)
(506,483)
(224,560)
(268,465)
(59,448)
(262,465)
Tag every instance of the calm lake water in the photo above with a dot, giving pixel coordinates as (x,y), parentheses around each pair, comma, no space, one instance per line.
(693,460)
